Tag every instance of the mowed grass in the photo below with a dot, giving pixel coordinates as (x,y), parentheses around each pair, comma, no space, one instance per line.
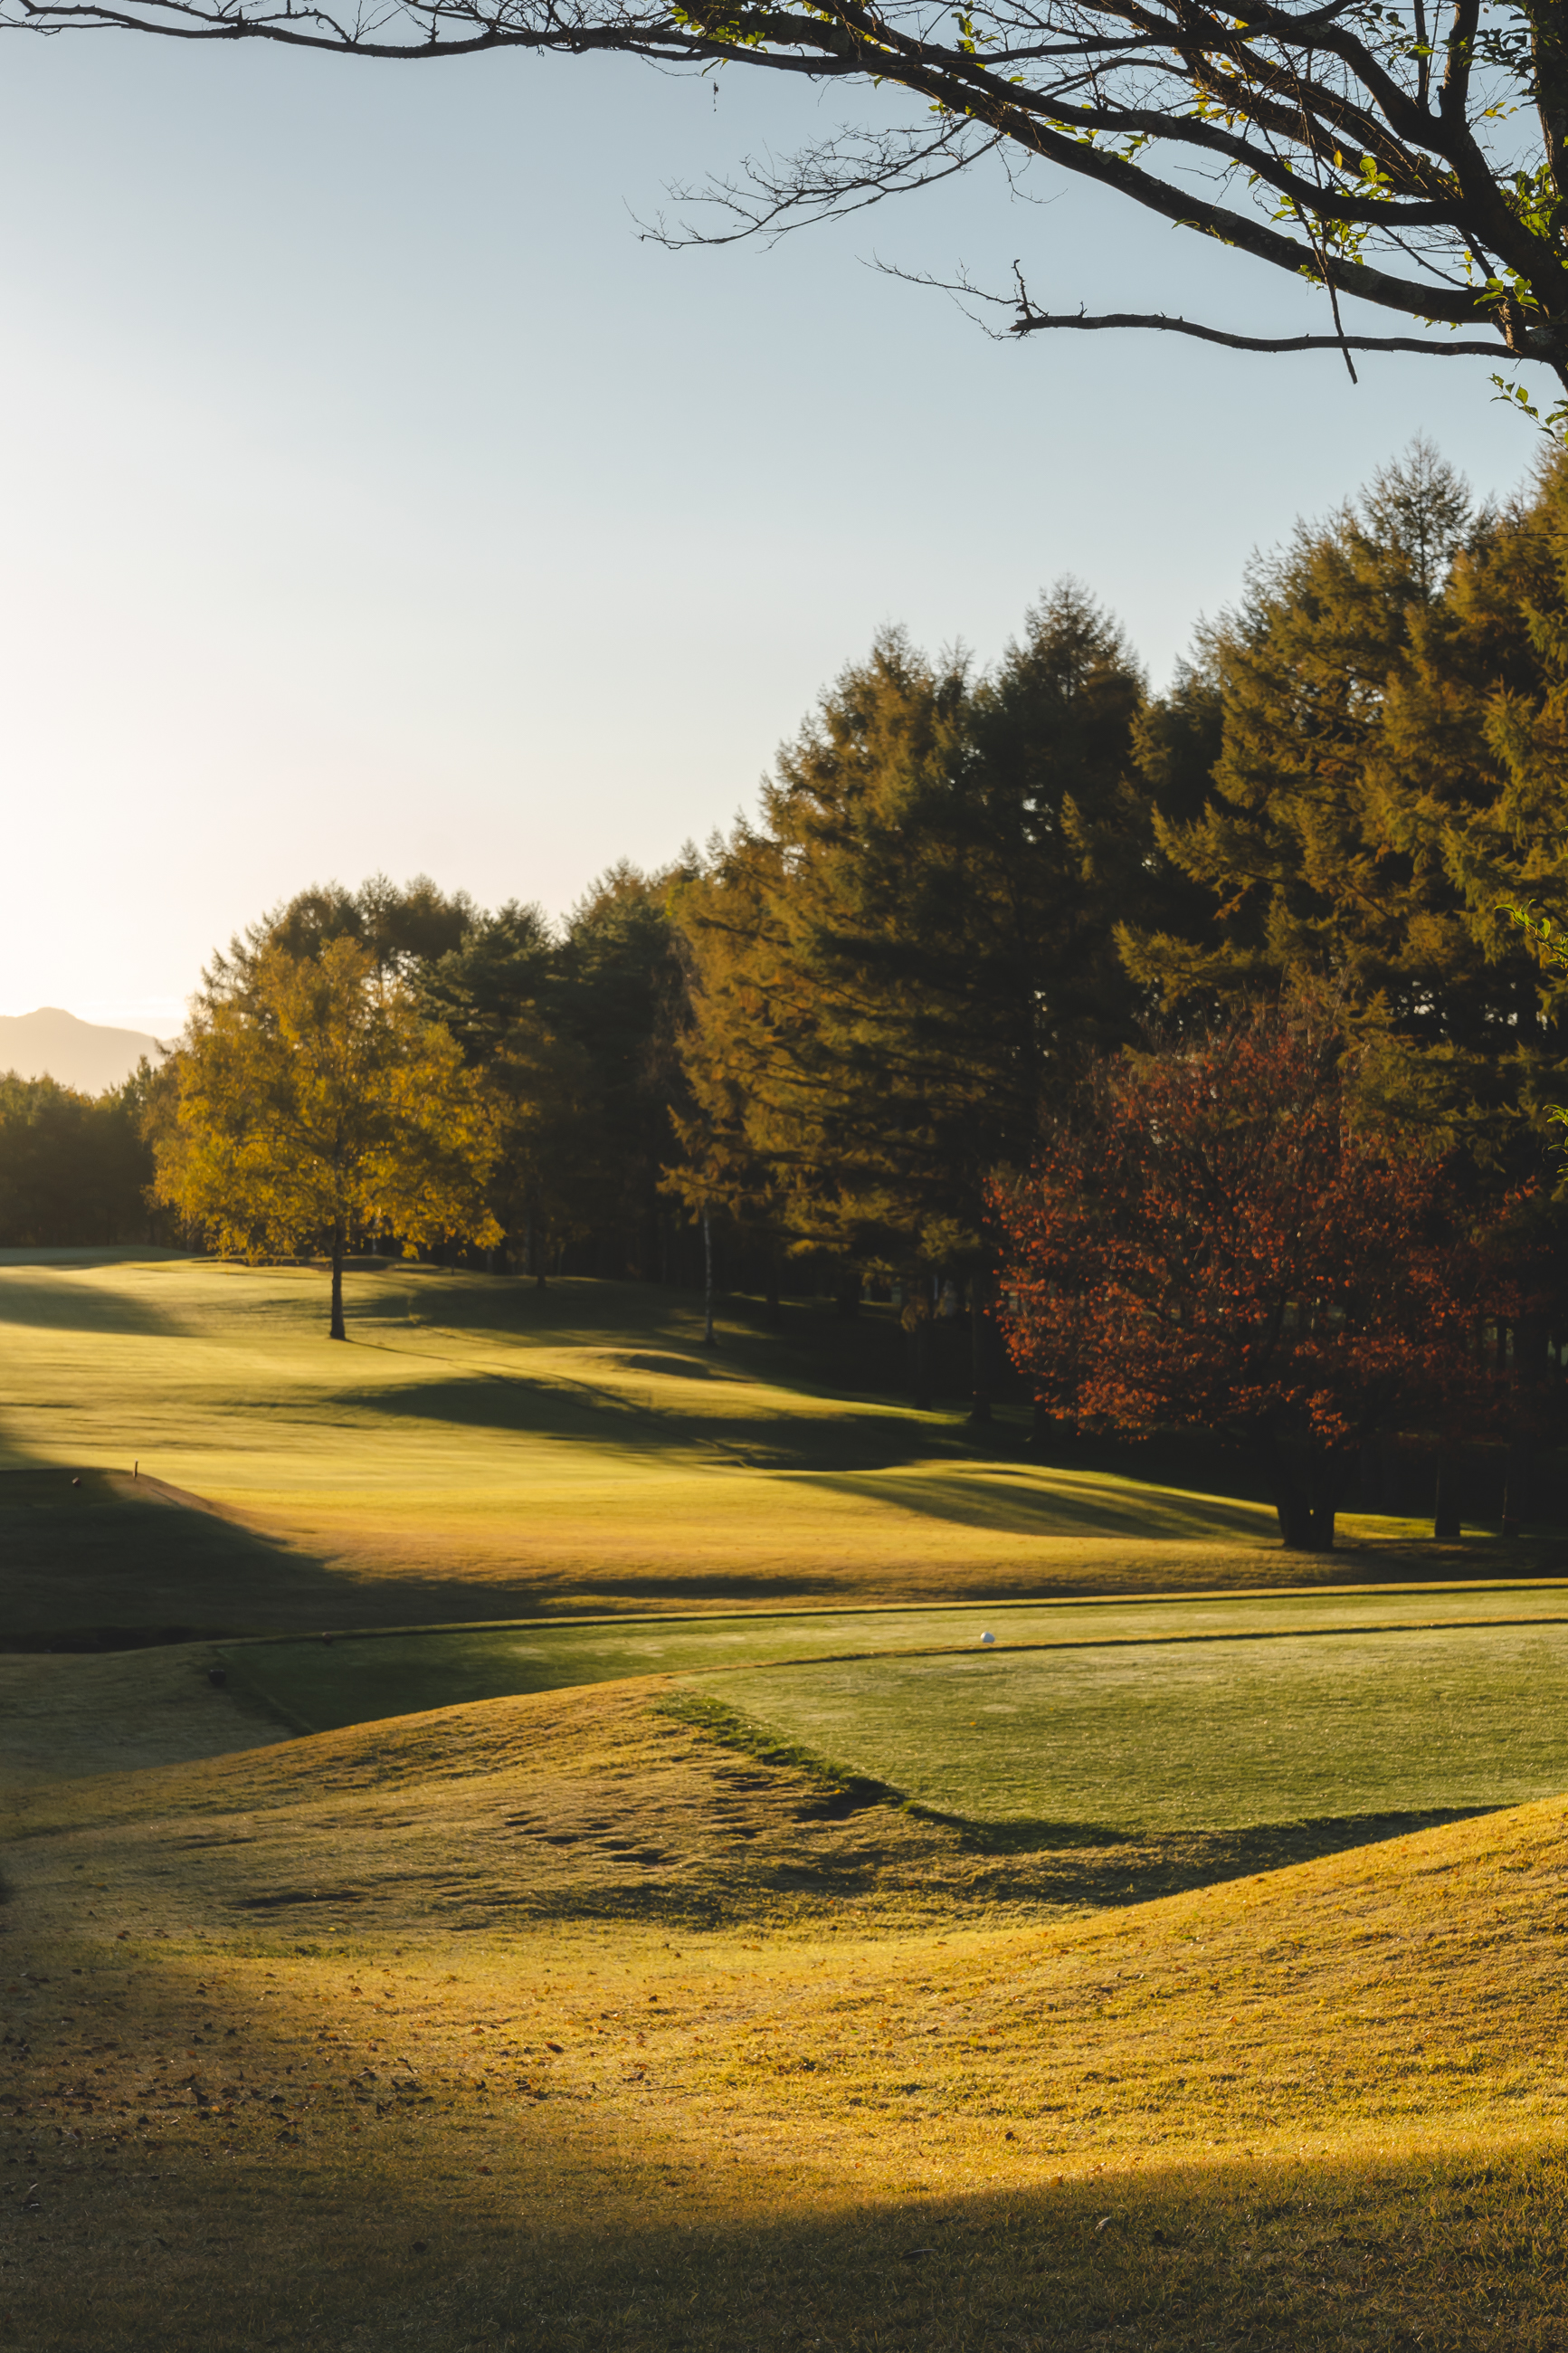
(1204,1735)
(379,2038)
(635,2009)
(485,1449)
(317,1686)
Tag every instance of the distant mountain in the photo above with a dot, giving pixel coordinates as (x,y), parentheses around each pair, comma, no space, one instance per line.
(77,1053)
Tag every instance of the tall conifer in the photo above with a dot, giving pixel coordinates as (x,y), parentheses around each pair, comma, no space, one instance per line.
(894,969)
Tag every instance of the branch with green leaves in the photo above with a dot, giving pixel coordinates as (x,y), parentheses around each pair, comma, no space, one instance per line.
(1550,941)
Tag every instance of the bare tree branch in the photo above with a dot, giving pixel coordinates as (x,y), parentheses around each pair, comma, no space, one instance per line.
(1406,153)
(1068,319)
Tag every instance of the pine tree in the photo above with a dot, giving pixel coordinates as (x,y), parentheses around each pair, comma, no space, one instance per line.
(1392,708)
(619,1003)
(1388,769)
(73,1167)
(901,962)
(498,993)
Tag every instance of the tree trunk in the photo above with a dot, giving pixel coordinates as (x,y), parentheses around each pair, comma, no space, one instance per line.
(1292,1498)
(1306,1485)
(772,1308)
(1320,1523)
(1445,1497)
(1295,1520)
(980,1347)
(338,1332)
(846,1293)
(533,1252)
(1532,1370)
(1549,58)
(1329,1477)
(920,1358)
(708,1339)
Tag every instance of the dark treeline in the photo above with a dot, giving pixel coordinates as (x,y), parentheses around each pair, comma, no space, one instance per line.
(829,1033)
(74,1168)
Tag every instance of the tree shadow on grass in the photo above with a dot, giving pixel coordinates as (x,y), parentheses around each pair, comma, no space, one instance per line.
(121,1564)
(1251,2250)
(113,1562)
(1083,1863)
(569,1411)
(96,1560)
(1078,1505)
(889,1878)
(652,2238)
(48,1304)
(614,2220)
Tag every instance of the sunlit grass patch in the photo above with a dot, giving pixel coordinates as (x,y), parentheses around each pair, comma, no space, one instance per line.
(1192,1735)
(483,1450)
(627,2005)
(1323,2106)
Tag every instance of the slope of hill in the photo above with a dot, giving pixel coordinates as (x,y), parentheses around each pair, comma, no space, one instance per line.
(82,1054)
(632,2011)
(380,2038)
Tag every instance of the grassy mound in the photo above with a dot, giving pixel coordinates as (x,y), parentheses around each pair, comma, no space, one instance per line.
(378,2038)
(73,1714)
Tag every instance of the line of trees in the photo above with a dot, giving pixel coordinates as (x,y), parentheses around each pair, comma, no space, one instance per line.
(74,1168)
(859,1035)
(393,1069)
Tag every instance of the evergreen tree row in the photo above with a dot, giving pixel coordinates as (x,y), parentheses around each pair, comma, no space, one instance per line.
(827,1036)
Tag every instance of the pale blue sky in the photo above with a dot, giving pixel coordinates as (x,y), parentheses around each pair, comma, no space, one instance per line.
(374,498)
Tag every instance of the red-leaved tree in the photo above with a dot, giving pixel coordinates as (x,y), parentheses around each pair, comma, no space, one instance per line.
(1213,1243)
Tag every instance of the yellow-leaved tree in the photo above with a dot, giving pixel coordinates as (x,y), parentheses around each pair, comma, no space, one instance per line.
(318,1104)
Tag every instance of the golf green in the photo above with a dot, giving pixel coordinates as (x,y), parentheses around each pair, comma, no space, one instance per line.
(1208,1714)
(1209,1735)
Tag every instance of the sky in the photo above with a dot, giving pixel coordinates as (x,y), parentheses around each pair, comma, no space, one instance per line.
(374,498)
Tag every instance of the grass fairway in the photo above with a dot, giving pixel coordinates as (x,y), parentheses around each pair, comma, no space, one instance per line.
(380,2038)
(588,1984)
(483,1450)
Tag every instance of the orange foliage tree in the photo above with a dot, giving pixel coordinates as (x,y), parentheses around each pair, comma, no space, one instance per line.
(1212,1242)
